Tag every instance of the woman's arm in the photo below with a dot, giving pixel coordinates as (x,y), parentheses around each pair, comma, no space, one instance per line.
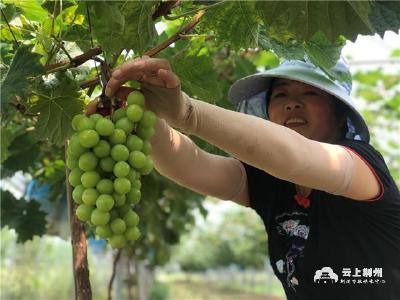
(178,158)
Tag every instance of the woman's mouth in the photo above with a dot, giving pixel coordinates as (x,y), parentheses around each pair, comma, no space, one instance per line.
(295,122)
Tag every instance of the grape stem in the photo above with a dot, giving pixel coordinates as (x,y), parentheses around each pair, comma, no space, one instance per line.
(110,284)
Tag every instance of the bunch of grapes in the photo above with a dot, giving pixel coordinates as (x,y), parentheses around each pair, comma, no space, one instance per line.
(107,156)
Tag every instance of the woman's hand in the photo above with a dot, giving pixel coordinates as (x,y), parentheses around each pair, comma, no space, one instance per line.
(160,86)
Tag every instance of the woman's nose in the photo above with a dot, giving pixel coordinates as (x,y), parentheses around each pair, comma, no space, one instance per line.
(293,104)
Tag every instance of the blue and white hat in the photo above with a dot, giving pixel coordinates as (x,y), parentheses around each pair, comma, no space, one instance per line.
(250,92)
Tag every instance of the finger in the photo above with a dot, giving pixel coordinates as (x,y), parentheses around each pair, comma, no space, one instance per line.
(171,80)
(114,84)
(123,92)
(91,108)
(130,70)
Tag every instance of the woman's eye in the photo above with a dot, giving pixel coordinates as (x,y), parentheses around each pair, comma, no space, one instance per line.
(311,93)
(279,95)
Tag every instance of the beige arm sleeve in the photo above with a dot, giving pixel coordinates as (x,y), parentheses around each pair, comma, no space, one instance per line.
(177,157)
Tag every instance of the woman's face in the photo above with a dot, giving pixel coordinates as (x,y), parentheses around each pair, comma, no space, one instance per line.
(303,108)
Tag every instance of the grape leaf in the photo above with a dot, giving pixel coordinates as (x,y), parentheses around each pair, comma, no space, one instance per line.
(300,20)
(31,9)
(25,217)
(24,66)
(8,135)
(385,15)
(139,31)
(54,7)
(58,102)
(234,22)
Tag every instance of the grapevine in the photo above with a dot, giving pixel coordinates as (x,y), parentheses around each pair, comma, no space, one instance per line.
(107,155)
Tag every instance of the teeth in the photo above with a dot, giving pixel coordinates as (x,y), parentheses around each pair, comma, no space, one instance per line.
(295,120)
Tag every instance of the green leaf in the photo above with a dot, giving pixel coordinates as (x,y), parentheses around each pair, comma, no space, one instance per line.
(140,33)
(8,135)
(235,23)
(289,50)
(385,15)
(24,67)
(31,9)
(300,20)
(54,7)
(25,217)
(58,102)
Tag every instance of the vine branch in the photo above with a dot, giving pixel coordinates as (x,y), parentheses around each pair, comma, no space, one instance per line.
(164,8)
(116,259)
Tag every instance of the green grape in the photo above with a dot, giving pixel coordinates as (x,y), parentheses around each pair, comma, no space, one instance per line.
(118,114)
(137,184)
(76,119)
(102,149)
(137,159)
(121,169)
(149,119)
(105,127)
(77,193)
(107,164)
(84,212)
(84,124)
(122,185)
(74,177)
(118,225)
(113,213)
(134,113)
(105,186)
(104,231)
(72,163)
(105,202)
(134,143)
(90,179)
(99,217)
(131,218)
(132,176)
(123,209)
(90,196)
(146,149)
(88,138)
(135,97)
(119,153)
(125,125)
(95,118)
(148,167)
(88,161)
(133,196)
(132,234)
(118,137)
(117,241)
(119,199)
(145,132)
(75,148)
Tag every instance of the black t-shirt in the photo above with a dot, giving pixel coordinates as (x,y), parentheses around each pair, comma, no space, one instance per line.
(337,248)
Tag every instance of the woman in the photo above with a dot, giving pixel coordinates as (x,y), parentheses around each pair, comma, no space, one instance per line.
(300,157)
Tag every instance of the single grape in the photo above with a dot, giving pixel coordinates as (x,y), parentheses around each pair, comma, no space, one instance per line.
(72,163)
(104,202)
(77,193)
(90,196)
(135,97)
(121,169)
(137,159)
(105,127)
(75,120)
(134,143)
(84,124)
(118,137)
(117,241)
(146,149)
(99,217)
(125,125)
(95,118)
(88,138)
(104,231)
(90,179)
(118,114)
(107,164)
(134,113)
(119,153)
(132,234)
(137,184)
(74,177)
(148,120)
(105,186)
(132,176)
(84,212)
(148,167)
(118,225)
(133,196)
(123,209)
(102,149)
(75,148)
(119,199)
(88,161)
(145,132)
(131,218)
(122,185)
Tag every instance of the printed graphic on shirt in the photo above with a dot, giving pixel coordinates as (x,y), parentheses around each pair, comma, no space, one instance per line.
(295,228)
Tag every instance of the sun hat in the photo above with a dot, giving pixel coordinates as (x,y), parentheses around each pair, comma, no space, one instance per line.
(250,93)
